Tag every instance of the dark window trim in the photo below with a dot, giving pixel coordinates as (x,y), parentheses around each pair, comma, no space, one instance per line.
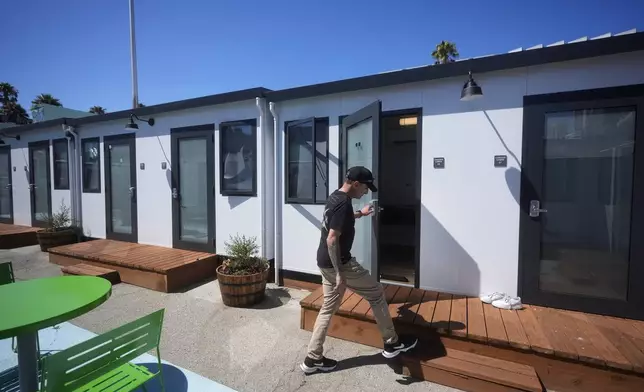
(83,142)
(53,144)
(298,200)
(253,192)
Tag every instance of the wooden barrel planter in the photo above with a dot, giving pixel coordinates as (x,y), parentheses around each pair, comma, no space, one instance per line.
(50,239)
(242,290)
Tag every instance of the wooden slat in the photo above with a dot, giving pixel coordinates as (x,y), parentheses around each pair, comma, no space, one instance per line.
(348,305)
(494,323)
(616,334)
(476,329)
(361,309)
(555,330)
(408,314)
(458,316)
(425,313)
(514,330)
(440,322)
(534,332)
(399,304)
(609,354)
(309,299)
(146,257)
(577,333)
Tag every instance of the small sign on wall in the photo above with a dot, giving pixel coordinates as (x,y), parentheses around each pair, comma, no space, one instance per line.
(500,161)
(142,166)
(439,163)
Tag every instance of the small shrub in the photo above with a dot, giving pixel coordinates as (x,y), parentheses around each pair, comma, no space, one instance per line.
(60,220)
(242,258)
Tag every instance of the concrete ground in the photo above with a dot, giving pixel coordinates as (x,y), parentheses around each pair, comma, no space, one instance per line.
(256,349)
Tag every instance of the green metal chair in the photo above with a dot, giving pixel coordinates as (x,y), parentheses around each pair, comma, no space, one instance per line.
(7,277)
(102,362)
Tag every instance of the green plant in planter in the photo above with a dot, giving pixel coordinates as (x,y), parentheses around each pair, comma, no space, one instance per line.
(59,220)
(241,257)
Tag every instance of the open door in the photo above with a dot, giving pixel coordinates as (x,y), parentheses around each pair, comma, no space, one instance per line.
(360,135)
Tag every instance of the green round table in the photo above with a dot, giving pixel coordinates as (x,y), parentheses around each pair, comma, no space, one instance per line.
(31,305)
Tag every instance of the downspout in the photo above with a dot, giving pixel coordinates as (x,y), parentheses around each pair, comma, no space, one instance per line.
(277,146)
(259,102)
(76,175)
(72,174)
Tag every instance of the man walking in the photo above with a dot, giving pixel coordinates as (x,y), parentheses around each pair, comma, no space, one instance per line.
(340,270)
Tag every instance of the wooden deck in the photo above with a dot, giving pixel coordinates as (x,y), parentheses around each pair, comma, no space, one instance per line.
(154,267)
(14,236)
(570,351)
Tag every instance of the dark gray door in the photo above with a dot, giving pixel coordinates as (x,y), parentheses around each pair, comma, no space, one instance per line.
(6,190)
(361,136)
(581,231)
(40,183)
(193,202)
(120,187)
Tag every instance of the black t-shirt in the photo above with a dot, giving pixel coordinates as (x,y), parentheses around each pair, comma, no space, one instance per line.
(338,215)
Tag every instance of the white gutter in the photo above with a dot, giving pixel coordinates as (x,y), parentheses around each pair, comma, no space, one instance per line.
(75,184)
(259,102)
(277,146)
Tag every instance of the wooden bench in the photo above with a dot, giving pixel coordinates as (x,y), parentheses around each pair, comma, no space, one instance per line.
(102,362)
(92,270)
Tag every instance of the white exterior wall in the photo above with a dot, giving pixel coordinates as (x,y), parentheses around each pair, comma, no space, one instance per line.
(234,214)
(20,176)
(469,210)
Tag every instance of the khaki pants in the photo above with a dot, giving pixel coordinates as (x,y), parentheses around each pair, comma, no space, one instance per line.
(360,282)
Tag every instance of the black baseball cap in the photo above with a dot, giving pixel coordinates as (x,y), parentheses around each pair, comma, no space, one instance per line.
(362,175)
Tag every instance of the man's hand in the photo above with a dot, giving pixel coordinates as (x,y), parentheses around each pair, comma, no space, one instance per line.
(340,281)
(367,210)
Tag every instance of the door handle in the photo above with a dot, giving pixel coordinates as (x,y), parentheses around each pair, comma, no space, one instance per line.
(535,209)
(175,193)
(8,186)
(131,191)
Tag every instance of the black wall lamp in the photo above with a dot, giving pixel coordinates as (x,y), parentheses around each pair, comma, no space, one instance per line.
(2,136)
(132,126)
(471,90)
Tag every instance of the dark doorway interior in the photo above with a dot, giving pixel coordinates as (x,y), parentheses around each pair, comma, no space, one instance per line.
(397,198)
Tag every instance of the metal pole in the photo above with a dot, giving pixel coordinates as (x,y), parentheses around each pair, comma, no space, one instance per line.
(135,88)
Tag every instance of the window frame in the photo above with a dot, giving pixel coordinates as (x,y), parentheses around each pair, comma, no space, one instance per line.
(300,200)
(83,158)
(55,142)
(253,191)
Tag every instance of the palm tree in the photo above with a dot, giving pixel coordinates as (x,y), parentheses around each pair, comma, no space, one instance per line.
(8,93)
(97,110)
(10,109)
(445,52)
(45,99)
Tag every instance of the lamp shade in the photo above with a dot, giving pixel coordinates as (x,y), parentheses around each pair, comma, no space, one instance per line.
(132,126)
(471,90)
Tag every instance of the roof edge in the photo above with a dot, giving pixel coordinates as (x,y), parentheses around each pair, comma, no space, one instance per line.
(191,103)
(505,61)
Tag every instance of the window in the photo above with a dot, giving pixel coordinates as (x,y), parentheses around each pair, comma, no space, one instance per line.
(307,167)
(91,165)
(238,158)
(61,164)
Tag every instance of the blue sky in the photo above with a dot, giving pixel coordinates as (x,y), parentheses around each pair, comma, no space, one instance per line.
(78,50)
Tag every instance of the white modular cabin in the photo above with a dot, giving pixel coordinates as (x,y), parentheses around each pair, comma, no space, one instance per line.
(191,180)
(529,189)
